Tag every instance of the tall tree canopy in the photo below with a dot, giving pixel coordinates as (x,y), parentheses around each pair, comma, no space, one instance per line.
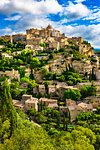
(7,110)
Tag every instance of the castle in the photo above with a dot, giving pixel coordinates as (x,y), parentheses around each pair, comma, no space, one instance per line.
(53,39)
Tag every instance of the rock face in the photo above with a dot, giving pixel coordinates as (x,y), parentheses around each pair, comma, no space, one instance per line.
(86,50)
(82,66)
(38,75)
(57,66)
(97,73)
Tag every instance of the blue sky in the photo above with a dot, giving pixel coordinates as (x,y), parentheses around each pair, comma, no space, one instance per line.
(72,17)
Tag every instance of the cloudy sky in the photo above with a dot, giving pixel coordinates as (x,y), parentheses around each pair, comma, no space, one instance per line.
(72,17)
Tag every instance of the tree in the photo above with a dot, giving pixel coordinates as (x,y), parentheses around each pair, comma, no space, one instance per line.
(93,75)
(62,49)
(22,72)
(7,110)
(34,63)
(20,45)
(66,125)
(72,94)
(42,44)
(58,119)
(64,121)
(51,56)
(88,90)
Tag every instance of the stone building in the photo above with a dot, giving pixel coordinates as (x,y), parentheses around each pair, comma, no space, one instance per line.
(70,102)
(80,108)
(57,66)
(25,97)
(82,66)
(7,56)
(19,38)
(48,102)
(86,50)
(1,46)
(42,89)
(11,74)
(63,109)
(97,73)
(7,37)
(31,103)
(51,89)
(53,38)
(77,40)
(18,104)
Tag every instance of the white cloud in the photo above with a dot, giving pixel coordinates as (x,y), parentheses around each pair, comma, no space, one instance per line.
(79,1)
(94,15)
(76,11)
(14,18)
(6,31)
(30,6)
(90,33)
(32,21)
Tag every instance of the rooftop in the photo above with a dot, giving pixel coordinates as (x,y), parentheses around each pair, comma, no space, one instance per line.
(46,99)
(31,100)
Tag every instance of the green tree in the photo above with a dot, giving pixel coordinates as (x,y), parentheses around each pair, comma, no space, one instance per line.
(72,94)
(7,110)
(42,44)
(34,63)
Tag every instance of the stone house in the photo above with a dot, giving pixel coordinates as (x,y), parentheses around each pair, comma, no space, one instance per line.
(31,103)
(70,102)
(7,56)
(11,74)
(7,37)
(1,46)
(18,104)
(96,83)
(63,109)
(63,88)
(24,85)
(76,109)
(53,106)
(18,52)
(82,66)
(48,102)
(19,38)
(35,90)
(95,103)
(27,71)
(26,97)
(51,89)
(27,102)
(97,73)
(42,89)
(86,50)
(57,66)
(85,107)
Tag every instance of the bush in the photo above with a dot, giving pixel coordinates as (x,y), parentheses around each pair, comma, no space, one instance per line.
(70,83)
(88,91)
(62,49)
(72,94)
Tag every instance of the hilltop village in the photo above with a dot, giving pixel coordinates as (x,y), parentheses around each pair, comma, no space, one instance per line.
(48,71)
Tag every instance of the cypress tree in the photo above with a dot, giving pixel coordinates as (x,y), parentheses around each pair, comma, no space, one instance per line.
(69,117)
(7,110)
(64,121)
(66,125)
(58,120)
